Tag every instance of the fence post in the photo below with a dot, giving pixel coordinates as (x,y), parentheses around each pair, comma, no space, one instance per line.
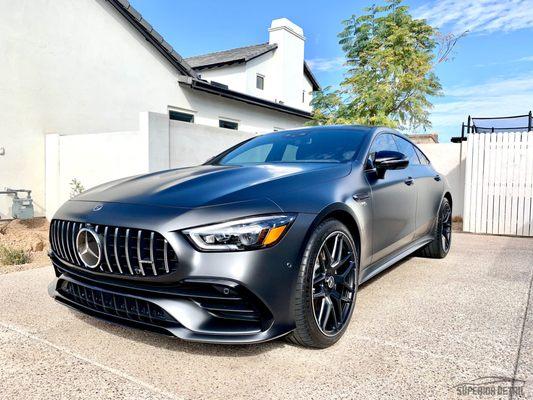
(468,126)
(529,122)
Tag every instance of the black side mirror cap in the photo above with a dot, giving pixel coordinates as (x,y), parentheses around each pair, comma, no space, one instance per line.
(386,159)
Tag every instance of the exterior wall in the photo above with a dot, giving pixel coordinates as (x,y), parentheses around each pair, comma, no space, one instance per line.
(233,75)
(209,109)
(194,144)
(308,89)
(105,157)
(158,144)
(288,61)
(450,162)
(79,67)
(282,68)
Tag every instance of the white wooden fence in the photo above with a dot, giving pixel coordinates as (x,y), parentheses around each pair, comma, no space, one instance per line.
(499,183)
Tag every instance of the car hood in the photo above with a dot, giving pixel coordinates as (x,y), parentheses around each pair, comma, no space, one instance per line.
(209,185)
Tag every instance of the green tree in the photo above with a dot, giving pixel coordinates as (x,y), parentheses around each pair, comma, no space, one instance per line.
(390,59)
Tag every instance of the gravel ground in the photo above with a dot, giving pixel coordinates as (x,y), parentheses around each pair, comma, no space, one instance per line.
(419,330)
(30,236)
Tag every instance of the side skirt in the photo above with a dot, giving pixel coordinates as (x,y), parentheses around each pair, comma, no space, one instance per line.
(381,265)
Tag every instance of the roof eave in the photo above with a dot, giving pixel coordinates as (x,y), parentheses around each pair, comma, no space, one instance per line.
(311,76)
(207,87)
(218,64)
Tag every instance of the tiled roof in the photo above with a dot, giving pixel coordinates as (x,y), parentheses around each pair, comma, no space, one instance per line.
(241,54)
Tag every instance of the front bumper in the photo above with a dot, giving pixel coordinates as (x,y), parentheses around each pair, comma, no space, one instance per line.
(223,297)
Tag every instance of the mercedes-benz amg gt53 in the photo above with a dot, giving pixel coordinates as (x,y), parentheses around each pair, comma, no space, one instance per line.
(270,238)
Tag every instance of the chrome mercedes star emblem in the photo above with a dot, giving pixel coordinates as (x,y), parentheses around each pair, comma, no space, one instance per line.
(98,207)
(89,247)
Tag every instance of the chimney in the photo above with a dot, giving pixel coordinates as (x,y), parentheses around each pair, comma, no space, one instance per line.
(287,61)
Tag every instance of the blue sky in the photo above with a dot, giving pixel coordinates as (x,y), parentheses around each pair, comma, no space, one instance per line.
(491,73)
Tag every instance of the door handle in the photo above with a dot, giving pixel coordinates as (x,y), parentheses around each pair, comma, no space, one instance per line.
(437,178)
(409,181)
(361,197)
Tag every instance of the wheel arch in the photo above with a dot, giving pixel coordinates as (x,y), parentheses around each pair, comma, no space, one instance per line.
(342,213)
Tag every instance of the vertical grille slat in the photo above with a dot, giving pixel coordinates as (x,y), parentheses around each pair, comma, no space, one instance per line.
(139,255)
(61,239)
(73,241)
(117,259)
(165,256)
(105,250)
(68,240)
(100,266)
(53,236)
(152,259)
(56,236)
(125,251)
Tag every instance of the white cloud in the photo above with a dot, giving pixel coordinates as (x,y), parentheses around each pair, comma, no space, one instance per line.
(326,64)
(483,16)
(502,97)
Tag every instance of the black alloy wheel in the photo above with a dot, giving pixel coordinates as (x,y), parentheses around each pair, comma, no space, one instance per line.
(327,286)
(441,244)
(334,283)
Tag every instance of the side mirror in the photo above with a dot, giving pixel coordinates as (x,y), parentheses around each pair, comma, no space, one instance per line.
(386,159)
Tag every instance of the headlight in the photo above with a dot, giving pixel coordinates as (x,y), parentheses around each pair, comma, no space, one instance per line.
(242,234)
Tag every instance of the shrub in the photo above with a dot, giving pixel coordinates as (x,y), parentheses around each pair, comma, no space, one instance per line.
(11,256)
(76,188)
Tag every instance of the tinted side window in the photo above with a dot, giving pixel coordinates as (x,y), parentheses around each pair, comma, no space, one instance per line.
(385,141)
(423,159)
(407,149)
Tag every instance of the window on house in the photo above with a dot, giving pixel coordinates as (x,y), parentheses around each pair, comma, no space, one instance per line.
(260,82)
(228,124)
(181,116)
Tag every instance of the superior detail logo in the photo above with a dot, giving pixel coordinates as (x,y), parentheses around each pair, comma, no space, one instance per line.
(491,386)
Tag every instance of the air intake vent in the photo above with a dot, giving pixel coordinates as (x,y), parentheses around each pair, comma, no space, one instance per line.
(116,305)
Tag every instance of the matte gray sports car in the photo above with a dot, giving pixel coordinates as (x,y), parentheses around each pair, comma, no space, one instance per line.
(270,238)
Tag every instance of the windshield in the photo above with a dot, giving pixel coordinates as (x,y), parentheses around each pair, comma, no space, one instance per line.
(298,146)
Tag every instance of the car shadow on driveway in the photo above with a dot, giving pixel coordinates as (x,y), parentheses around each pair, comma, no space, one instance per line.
(174,344)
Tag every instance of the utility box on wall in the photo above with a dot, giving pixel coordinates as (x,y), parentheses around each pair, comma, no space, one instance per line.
(21,207)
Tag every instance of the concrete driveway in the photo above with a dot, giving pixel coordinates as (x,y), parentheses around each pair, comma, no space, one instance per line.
(419,330)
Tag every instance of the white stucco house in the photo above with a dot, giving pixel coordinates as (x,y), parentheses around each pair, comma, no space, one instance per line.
(82,81)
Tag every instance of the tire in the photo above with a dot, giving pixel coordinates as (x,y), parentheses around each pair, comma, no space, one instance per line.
(325,292)
(440,246)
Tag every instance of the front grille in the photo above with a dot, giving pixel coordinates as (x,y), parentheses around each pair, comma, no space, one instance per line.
(116,305)
(126,251)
